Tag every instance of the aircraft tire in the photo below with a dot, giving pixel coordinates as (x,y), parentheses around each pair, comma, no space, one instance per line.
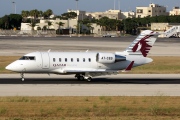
(81,78)
(89,79)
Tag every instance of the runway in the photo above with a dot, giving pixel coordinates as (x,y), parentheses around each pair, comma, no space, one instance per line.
(18,46)
(116,85)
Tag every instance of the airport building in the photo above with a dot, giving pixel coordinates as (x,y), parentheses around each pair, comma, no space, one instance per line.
(163,26)
(68,24)
(69,27)
(151,10)
(112,14)
(80,14)
(175,11)
(130,14)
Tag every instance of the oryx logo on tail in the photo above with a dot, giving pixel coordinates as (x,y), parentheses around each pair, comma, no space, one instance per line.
(143,43)
(142,46)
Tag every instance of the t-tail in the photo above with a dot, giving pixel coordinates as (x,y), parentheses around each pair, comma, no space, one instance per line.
(143,43)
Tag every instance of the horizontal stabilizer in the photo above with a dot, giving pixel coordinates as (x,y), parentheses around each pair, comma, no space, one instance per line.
(129,67)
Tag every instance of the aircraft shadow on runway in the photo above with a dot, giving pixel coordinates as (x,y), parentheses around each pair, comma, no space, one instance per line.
(94,81)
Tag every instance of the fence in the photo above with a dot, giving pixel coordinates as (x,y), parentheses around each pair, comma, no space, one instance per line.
(113,33)
(27,33)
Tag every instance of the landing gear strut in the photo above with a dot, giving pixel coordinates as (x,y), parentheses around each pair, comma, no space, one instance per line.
(22,76)
(79,77)
(82,77)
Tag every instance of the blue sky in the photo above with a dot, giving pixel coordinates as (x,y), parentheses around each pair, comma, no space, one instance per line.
(61,6)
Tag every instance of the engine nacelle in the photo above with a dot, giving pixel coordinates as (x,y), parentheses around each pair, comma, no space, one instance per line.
(109,58)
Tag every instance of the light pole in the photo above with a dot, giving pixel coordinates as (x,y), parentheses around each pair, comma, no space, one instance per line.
(114,4)
(77,8)
(119,5)
(14,7)
(78,25)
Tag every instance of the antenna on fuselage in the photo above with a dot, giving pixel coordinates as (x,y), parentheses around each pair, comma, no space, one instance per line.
(49,50)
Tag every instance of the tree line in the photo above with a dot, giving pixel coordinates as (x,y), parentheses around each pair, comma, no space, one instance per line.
(129,25)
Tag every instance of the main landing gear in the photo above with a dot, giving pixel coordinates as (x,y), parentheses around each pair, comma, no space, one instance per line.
(22,76)
(82,77)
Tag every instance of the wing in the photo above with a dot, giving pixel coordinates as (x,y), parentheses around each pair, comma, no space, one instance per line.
(91,72)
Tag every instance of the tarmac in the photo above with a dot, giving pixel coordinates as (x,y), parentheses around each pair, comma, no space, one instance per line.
(115,85)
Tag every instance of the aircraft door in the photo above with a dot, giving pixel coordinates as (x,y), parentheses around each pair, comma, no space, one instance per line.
(45,60)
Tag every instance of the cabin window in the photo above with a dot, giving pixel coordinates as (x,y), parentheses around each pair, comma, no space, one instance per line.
(71,59)
(65,59)
(54,59)
(83,59)
(27,58)
(89,59)
(77,59)
(59,59)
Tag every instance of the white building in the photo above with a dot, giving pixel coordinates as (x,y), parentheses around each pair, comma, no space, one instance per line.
(112,14)
(152,10)
(130,14)
(175,11)
(80,14)
(68,24)
(163,26)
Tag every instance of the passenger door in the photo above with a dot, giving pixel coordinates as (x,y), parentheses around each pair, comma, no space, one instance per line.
(45,60)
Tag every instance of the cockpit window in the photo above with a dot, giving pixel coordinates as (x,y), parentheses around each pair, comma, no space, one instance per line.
(27,58)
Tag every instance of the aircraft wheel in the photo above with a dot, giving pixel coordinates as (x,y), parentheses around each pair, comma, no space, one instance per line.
(81,78)
(89,79)
(22,79)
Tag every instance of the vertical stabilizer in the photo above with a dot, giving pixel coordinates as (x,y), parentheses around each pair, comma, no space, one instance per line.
(143,43)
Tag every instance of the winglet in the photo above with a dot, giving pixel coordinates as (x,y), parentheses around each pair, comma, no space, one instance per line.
(129,67)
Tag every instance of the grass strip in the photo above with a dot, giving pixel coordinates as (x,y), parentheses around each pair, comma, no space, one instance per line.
(80,108)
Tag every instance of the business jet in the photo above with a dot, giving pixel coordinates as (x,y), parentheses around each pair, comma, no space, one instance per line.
(85,65)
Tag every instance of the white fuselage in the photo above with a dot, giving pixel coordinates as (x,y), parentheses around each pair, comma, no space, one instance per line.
(60,62)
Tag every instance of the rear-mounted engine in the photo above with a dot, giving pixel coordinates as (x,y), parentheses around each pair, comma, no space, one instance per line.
(109,58)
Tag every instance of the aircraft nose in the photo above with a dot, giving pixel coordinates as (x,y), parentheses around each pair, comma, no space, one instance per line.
(9,67)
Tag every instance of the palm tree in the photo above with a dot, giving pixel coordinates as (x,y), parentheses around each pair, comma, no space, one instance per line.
(117,24)
(25,14)
(41,14)
(89,25)
(59,25)
(32,25)
(34,13)
(49,23)
(101,23)
(6,21)
(47,13)
(78,28)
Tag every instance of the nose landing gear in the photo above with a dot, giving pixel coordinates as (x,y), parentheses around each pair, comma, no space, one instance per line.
(22,76)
